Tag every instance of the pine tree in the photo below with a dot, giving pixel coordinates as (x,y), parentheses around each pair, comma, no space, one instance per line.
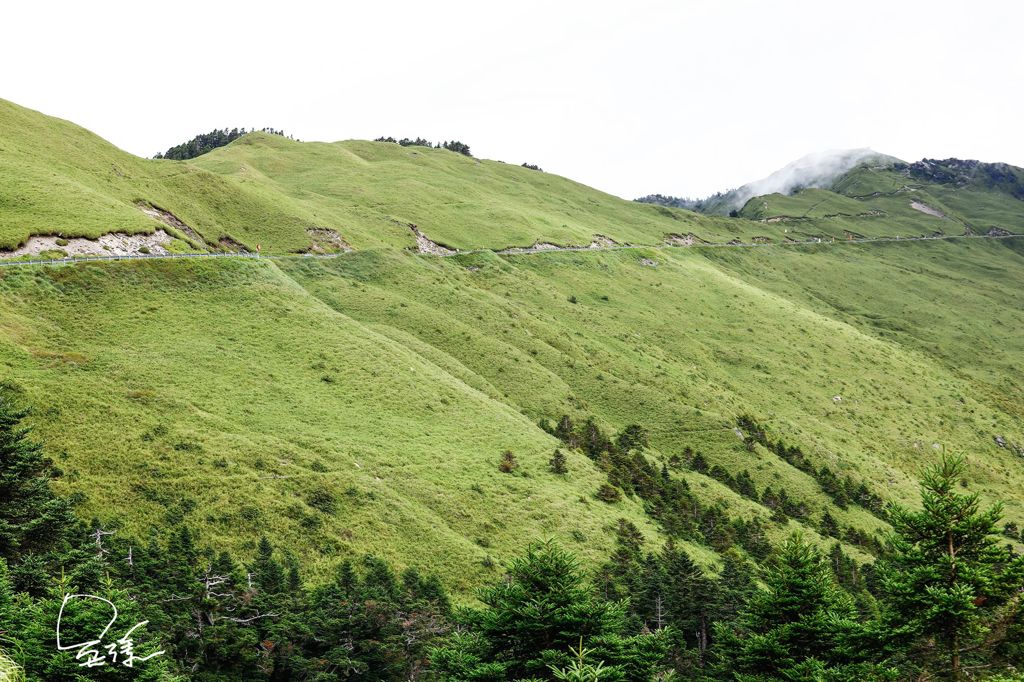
(558,464)
(268,573)
(803,621)
(34,521)
(532,619)
(947,581)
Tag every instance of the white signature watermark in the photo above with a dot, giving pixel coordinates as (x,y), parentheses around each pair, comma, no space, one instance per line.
(94,651)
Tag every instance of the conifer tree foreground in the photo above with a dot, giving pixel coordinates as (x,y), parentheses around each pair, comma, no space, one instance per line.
(533,620)
(949,586)
(801,627)
(35,524)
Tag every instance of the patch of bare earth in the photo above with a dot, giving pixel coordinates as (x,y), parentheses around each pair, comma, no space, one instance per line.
(325,240)
(536,248)
(925,208)
(229,244)
(111,244)
(602,242)
(171,220)
(426,245)
(683,240)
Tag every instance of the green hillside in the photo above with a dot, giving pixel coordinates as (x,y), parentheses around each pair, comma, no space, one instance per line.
(266,190)
(888,202)
(362,403)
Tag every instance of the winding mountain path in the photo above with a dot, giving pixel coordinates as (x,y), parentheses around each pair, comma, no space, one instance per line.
(513,251)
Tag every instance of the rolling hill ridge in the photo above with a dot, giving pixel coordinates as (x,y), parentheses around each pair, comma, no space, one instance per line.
(390,381)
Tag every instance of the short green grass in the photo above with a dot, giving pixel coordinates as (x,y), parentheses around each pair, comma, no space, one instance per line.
(57,178)
(233,422)
(224,394)
(394,381)
(686,346)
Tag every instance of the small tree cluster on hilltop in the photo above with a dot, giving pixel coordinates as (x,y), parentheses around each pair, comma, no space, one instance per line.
(207,142)
(452,146)
(679,202)
(674,202)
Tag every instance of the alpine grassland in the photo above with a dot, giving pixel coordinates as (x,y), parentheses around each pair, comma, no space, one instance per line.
(429,416)
(793,368)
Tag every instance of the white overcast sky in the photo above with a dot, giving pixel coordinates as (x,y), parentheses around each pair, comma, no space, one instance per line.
(683,98)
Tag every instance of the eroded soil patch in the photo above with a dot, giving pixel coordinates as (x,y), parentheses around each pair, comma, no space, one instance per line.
(111,244)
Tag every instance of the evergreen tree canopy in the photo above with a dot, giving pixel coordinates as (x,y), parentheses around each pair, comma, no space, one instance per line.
(532,619)
(207,142)
(948,584)
(802,626)
(34,521)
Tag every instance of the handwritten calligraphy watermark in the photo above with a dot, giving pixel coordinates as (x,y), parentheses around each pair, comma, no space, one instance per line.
(94,652)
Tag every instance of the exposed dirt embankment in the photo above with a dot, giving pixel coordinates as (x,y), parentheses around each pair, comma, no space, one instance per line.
(112,244)
(171,220)
(683,240)
(925,208)
(601,242)
(426,245)
(326,240)
(539,246)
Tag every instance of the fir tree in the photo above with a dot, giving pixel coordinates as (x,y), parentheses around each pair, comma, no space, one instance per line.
(699,464)
(947,582)
(565,431)
(558,464)
(267,571)
(35,524)
(508,463)
(531,620)
(632,437)
(690,596)
(801,627)
(829,526)
(594,440)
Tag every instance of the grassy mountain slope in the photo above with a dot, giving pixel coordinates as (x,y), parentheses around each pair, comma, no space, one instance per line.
(366,190)
(686,346)
(885,202)
(57,178)
(362,403)
(236,424)
(394,381)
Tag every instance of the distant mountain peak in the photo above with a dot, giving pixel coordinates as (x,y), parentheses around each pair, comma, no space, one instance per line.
(819,169)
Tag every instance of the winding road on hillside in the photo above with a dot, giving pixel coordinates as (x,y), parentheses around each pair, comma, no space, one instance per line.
(513,251)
